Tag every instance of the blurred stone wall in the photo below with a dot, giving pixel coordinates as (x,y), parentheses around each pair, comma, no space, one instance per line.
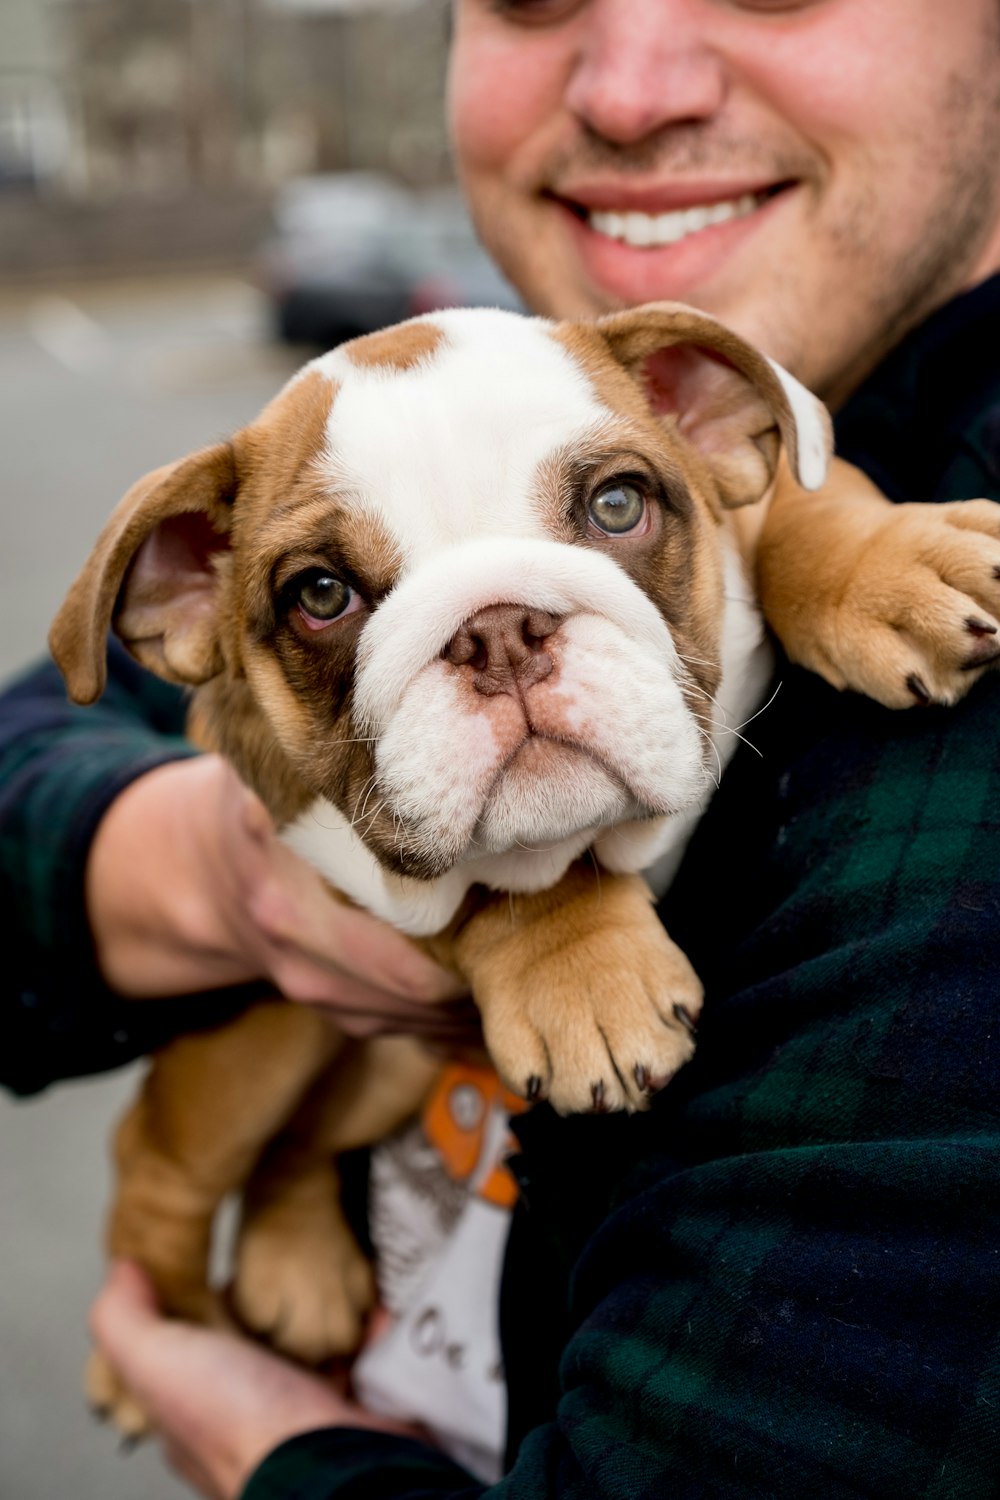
(170,93)
(170,122)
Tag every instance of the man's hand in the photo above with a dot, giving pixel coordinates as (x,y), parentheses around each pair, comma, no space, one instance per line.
(219,1403)
(188,888)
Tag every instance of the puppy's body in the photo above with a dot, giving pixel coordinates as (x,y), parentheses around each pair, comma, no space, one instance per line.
(471,606)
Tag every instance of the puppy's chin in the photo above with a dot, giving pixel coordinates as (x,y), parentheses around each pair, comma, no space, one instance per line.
(548,792)
(549,795)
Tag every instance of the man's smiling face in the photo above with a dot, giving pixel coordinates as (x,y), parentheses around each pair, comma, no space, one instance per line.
(820,174)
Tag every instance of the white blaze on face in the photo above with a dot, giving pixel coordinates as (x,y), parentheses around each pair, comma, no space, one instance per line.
(450,448)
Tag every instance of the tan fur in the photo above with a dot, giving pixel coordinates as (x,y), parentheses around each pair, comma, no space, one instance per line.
(678,566)
(738,424)
(226,717)
(198,486)
(542,966)
(398,348)
(896,601)
(583,972)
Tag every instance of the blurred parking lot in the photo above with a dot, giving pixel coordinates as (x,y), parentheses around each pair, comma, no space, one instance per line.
(98,383)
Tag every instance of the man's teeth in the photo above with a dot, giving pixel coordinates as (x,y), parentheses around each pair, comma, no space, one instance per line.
(644,230)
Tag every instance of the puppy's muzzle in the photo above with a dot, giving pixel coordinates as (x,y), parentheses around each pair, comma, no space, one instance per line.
(503,648)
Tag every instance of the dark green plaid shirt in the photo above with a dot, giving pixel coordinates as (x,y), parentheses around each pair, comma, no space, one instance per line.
(785,1279)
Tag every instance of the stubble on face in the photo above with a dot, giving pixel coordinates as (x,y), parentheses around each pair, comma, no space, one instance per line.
(894,209)
(958,243)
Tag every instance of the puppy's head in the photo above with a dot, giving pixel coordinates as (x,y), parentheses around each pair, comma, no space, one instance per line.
(461,582)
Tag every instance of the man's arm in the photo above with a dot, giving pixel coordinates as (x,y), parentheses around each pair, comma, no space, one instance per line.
(60,769)
(135,870)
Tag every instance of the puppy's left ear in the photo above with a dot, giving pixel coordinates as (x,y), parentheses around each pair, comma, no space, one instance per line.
(730,401)
(152,577)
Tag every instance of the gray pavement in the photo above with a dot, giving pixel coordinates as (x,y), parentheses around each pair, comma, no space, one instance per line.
(98,384)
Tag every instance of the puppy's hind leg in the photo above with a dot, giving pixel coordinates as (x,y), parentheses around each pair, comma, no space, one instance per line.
(210,1102)
(302,1281)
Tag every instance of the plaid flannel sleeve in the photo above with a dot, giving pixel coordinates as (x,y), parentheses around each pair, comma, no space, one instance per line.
(60,767)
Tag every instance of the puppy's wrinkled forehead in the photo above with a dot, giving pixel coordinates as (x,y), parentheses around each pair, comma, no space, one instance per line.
(437,430)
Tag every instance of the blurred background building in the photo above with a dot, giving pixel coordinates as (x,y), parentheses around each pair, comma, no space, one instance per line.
(156,131)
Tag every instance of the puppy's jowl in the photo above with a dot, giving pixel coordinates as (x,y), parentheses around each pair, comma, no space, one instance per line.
(471,605)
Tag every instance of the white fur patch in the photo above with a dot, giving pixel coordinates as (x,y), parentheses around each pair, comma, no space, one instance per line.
(813,431)
(325,839)
(449,449)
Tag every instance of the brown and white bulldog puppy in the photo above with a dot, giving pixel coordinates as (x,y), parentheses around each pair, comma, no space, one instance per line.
(471,606)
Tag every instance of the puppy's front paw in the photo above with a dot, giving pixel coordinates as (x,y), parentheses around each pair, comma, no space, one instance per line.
(920,618)
(302,1282)
(110,1400)
(601,1026)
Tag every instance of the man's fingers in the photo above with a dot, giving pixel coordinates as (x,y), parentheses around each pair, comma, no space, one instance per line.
(296,914)
(386,960)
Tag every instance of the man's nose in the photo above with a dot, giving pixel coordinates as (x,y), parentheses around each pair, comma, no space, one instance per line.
(644,65)
(503,647)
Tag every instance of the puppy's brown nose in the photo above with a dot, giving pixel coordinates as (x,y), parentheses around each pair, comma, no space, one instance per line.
(504,647)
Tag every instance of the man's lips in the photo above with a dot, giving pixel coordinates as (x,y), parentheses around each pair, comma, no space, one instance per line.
(637,246)
(653,219)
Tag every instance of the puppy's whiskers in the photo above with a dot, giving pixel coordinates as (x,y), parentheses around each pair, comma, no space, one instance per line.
(364,806)
(759,711)
(735,730)
(536,848)
(597,870)
(373,816)
(367,787)
(710,741)
(698,661)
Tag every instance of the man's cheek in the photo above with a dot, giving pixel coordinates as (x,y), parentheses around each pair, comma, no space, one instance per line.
(504,87)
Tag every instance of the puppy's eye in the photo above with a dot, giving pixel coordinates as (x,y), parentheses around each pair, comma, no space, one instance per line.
(322,597)
(617,509)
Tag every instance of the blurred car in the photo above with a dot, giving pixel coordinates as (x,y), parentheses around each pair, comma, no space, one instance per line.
(352,252)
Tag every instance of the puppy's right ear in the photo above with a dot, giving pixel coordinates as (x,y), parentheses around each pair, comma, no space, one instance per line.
(151,576)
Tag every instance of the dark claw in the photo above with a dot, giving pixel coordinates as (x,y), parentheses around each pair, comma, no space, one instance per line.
(641,1078)
(686,1019)
(979,627)
(98,1412)
(128,1443)
(996,570)
(919,689)
(597,1097)
(534,1088)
